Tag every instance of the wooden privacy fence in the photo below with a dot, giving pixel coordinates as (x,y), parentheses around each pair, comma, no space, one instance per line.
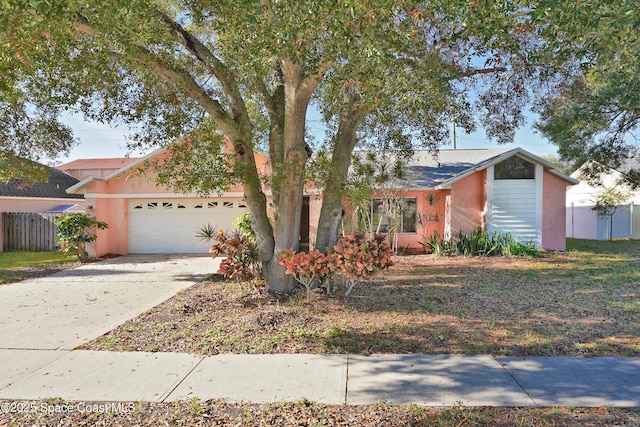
(28,231)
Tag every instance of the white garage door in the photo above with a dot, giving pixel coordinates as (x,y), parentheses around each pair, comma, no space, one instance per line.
(170,225)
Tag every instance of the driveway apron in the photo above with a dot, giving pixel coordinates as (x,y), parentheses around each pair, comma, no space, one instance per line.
(69,308)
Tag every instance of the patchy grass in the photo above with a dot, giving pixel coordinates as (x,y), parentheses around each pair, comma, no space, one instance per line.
(585,302)
(15,266)
(302,413)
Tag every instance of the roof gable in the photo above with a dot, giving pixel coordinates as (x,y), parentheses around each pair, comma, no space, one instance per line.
(67,209)
(129,166)
(428,171)
(626,166)
(448,166)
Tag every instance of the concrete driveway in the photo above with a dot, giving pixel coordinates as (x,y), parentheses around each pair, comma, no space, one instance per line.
(69,308)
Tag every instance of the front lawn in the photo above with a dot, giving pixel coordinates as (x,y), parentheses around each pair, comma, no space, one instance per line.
(585,301)
(15,266)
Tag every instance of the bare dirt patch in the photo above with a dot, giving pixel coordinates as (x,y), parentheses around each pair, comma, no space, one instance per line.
(575,303)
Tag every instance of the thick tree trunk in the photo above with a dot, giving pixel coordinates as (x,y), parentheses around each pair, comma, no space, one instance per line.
(288,177)
(332,208)
(274,274)
(256,200)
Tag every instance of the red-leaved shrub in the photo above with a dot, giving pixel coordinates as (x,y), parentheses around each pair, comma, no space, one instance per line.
(308,268)
(354,257)
(241,261)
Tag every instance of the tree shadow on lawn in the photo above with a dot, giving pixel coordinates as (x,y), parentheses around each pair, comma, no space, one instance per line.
(514,307)
(450,336)
(498,306)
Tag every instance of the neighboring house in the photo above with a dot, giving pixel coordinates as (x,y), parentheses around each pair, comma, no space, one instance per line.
(504,190)
(501,190)
(86,168)
(17,196)
(582,221)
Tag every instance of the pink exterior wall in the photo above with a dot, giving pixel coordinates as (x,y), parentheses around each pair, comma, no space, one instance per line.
(553,212)
(113,210)
(315,205)
(467,203)
(82,174)
(429,219)
(114,239)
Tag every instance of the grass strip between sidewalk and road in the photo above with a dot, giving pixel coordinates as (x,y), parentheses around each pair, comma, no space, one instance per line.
(301,413)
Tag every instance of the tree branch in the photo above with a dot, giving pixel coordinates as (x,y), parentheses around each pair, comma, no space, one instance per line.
(478,71)
(217,67)
(175,76)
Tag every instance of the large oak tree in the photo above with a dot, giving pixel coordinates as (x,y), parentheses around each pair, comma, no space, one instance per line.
(188,73)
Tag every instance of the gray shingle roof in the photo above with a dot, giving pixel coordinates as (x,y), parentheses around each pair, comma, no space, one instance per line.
(55,188)
(427,171)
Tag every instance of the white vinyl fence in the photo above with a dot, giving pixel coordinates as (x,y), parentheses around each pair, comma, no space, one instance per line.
(583,223)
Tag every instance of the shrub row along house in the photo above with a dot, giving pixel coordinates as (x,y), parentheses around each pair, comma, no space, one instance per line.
(502,190)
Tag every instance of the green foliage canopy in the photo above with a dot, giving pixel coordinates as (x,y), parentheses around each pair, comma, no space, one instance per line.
(593,113)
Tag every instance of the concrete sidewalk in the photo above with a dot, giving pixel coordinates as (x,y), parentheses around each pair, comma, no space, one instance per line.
(71,307)
(438,380)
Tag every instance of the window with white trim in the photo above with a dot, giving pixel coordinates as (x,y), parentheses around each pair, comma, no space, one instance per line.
(397,215)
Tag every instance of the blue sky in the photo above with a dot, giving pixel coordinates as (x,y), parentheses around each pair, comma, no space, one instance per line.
(99,141)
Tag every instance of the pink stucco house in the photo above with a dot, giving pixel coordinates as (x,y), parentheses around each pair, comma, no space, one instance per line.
(504,190)
(144,217)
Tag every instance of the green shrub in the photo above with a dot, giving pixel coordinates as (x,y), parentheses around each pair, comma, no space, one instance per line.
(480,243)
(243,224)
(76,230)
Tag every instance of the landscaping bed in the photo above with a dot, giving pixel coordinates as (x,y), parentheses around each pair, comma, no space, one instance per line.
(583,302)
